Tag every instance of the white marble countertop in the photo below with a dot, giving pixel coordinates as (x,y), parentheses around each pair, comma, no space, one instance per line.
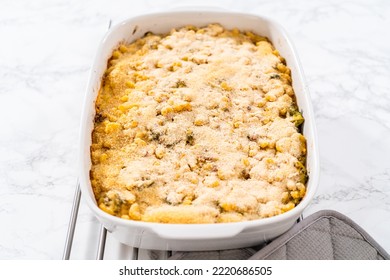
(46,51)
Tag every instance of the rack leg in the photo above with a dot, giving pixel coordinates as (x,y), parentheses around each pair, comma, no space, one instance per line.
(72,223)
(102,243)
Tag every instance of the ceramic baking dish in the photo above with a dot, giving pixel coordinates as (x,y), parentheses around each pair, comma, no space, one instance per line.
(196,236)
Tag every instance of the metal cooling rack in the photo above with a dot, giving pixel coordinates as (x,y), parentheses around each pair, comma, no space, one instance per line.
(106,241)
(125,252)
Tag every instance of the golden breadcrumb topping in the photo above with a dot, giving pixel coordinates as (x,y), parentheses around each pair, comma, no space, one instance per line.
(197,126)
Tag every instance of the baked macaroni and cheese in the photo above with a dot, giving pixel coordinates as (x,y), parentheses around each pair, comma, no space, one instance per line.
(197,126)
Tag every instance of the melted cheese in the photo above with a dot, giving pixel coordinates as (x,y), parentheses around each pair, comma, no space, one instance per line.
(197,126)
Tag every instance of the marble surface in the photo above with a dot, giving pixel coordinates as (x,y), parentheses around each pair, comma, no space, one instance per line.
(46,51)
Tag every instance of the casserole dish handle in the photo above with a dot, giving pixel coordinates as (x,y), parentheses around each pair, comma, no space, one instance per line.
(197,8)
(197,232)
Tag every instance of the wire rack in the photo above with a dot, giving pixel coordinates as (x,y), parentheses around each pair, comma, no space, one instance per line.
(102,244)
(103,235)
(106,241)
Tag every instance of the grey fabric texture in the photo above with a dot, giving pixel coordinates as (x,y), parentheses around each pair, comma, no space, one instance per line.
(235,254)
(325,235)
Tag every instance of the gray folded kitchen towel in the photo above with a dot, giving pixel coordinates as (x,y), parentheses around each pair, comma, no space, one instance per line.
(325,235)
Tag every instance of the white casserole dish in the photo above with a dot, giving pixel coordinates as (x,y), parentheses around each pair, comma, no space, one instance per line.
(196,236)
